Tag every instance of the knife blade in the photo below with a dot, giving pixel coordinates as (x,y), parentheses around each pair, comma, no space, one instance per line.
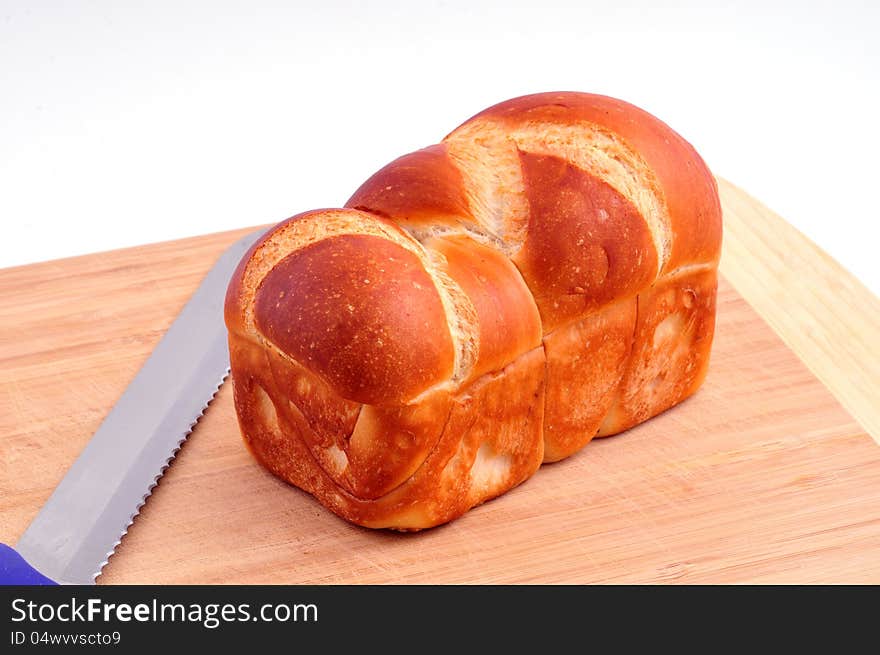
(91,509)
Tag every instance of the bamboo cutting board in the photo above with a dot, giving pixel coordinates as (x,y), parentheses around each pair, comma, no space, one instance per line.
(760,477)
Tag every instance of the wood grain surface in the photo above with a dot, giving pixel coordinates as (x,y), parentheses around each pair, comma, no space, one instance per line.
(822,312)
(760,477)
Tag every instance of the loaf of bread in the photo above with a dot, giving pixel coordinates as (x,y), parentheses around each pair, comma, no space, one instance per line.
(544,275)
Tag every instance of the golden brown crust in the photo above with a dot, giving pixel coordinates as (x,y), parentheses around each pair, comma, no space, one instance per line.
(422,187)
(589,356)
(507,318)
(689,189)
(545,275)
(488,439)
(328,305)
(670,351)
(586,244)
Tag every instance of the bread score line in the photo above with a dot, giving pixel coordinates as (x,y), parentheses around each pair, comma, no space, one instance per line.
(544,275)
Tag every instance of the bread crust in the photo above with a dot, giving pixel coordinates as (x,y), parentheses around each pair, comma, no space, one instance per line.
(327,306)
(545,275)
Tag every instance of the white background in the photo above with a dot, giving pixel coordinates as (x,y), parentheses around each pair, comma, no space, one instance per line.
(129,123)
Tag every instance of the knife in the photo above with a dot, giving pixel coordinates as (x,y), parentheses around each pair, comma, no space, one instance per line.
(85,518)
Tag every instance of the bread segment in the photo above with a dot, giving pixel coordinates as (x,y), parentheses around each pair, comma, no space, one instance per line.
(500,184)
(586,244)
(670,167)
(328,306)
(545,275)
(670,353)
(505,312)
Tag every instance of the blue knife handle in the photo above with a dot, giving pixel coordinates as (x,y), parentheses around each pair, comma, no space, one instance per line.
(14,570)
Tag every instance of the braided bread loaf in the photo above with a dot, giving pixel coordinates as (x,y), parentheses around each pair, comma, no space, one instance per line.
(544,275)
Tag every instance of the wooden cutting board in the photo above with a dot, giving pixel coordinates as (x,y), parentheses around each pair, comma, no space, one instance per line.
(761,477)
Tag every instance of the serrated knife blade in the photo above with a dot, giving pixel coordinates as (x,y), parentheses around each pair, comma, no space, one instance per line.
(88,513)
